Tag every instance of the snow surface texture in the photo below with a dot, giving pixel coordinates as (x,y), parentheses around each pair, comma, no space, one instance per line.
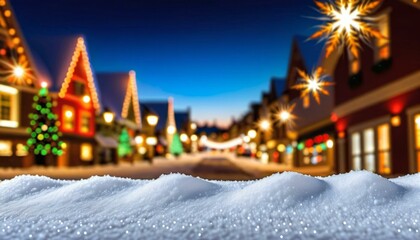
(357,205)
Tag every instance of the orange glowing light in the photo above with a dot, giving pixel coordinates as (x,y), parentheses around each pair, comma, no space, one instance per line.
(347,21)
(314,84)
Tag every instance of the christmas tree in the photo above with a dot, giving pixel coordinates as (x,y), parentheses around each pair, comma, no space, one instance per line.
(44,137)
(176,146)
(124,144)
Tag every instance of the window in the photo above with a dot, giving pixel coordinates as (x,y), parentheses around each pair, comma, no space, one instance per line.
(382,44)
(417,139)
(21,150)
(8,106)
(384,155)
(371,149)
(85,122)
(356,151)
(68,118)
(354,64)
(6,148)
(86,152)
(79,88)
(306,101)
(5,106)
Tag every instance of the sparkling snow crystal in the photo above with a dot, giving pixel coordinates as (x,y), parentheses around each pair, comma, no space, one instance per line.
(357,205)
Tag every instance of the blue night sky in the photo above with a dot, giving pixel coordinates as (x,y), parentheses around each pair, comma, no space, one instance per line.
(215,56)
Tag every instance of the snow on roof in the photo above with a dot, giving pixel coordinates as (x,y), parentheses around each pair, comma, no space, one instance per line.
(181,119)
(113,87)
(158,108)
(53,57)
(356,205)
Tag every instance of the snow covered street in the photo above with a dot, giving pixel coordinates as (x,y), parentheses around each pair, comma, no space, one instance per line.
(356,205)
(215,166)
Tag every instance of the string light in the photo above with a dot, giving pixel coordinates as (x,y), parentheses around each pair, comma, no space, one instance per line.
(81,50)
(132,94)
(347,21)
(314,84)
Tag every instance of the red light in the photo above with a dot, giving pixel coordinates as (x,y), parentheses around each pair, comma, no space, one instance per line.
(325,137)
(334,117)
(309,143)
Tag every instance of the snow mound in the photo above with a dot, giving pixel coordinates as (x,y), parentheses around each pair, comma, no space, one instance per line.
(365,187)
(288,189)
(171,188)
(356,205)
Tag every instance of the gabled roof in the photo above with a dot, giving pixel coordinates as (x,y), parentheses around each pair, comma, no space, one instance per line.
(19,51)
(55,60)
(118,91)
(277,86)
(158,108)
(311,51)
(182,118)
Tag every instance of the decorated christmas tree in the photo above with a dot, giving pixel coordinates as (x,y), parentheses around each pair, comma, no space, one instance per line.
(176,146)
(44,137)
(124,144)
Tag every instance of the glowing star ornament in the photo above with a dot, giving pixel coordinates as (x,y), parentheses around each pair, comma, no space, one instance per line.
(314,84)
(347,21)
(285,115)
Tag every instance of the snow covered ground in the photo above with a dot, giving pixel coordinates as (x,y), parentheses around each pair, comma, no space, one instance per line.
(357,205)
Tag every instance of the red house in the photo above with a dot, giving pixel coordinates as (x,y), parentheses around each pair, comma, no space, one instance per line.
(377,96)
(63,63)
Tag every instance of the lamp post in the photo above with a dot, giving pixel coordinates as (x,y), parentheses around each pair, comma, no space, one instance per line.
(108,116)
(151,139)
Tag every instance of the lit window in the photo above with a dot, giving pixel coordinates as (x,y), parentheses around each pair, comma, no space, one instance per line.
(8,106)
(6,148)
(354,65)
(417,137)
(356,151)
(68,118)
(384,156)
(306,101)
(21,150)
(85,122)
(86,153)
(369,149)
(382,44)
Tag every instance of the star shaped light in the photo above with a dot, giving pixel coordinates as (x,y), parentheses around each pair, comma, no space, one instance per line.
(314,84)
(347,21)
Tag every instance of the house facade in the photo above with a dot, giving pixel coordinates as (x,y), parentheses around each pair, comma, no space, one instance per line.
(377,100)
(63,63)
(18,85)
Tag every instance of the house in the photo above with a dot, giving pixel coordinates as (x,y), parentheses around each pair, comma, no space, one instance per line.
(165,127)
(18,84)
(119,97)
(63,63)
(311,135)
(377,100)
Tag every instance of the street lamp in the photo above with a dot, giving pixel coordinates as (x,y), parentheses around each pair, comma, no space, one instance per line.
(171,129)
(108,115)
(184,137)
(252,133)
(264,124)
(193,126)
(152,120)
(284,116)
